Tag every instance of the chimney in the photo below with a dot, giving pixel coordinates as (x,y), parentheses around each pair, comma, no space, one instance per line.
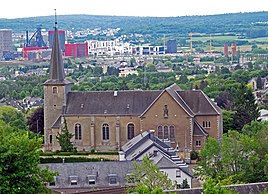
(151,131)
(155,153)
(122,156)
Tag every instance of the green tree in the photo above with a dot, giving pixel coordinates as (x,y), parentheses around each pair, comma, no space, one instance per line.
(8,114)
(183,79)
(228,120)
(19,163)
(18,124)
(64,138)
(237,158)
(150,67)
(97,71)
(211,164)
(254,127)
(245,106)
(210,186)
(147,175)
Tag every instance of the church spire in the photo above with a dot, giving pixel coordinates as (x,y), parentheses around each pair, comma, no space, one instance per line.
(56,63)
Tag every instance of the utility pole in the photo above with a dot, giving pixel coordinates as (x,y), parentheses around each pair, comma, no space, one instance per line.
(191,42)
(210,45)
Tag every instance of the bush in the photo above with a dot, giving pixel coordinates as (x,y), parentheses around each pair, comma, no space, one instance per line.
(194,155)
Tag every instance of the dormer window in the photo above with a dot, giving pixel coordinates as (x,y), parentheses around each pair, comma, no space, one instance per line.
(91,179)
(55,90)
(53,183)
(113,179)
(73,180)
(130,179)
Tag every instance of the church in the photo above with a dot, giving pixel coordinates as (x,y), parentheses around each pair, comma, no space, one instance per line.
(107,120)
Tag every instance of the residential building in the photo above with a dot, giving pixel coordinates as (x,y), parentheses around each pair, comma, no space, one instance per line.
(91,174)
(160,152)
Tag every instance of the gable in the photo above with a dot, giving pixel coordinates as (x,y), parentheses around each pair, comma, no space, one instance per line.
(199,103)
(157,107)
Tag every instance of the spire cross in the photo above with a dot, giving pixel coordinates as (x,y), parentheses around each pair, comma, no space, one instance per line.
(56,21)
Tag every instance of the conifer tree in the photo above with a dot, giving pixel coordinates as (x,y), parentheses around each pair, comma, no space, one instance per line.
(64,138)
(245,106)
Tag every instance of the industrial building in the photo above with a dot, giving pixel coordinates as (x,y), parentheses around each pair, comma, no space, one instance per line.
(5,40)
(35,47)
(149,50)
(171,46)
(62,38)
(233,49)
(111,47)
(226,50)
(76,50)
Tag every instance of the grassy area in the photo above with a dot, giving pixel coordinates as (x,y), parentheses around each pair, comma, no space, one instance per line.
(261,39)
(215,38)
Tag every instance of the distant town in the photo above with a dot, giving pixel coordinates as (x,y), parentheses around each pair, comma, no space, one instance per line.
(107,110)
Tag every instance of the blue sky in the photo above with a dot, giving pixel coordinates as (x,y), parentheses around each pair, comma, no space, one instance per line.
(32,8)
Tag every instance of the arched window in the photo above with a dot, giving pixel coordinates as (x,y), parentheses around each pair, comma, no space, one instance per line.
(165,132)
(77,132)
(172,133)
(130,131)
(105,132)
(160,132)
(54,90)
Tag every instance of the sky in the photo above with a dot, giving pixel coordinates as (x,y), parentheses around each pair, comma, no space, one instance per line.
(159,8)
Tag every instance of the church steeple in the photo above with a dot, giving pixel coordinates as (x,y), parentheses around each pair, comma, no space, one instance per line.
(56,63)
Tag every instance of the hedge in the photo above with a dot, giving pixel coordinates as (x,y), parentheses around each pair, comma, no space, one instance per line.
(76,153)
(71,160)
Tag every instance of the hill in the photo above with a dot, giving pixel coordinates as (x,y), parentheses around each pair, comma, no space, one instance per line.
(252,24)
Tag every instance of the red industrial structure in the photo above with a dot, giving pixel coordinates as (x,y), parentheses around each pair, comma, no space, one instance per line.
(76,50)
(35,43)
(25,50)
(226,51)
(233,49)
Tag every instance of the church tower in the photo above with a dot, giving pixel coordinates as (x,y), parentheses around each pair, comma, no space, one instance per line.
(56,89)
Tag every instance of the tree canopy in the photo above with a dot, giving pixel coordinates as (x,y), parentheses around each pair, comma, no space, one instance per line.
(238,157)
(19,162)
(149,178)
